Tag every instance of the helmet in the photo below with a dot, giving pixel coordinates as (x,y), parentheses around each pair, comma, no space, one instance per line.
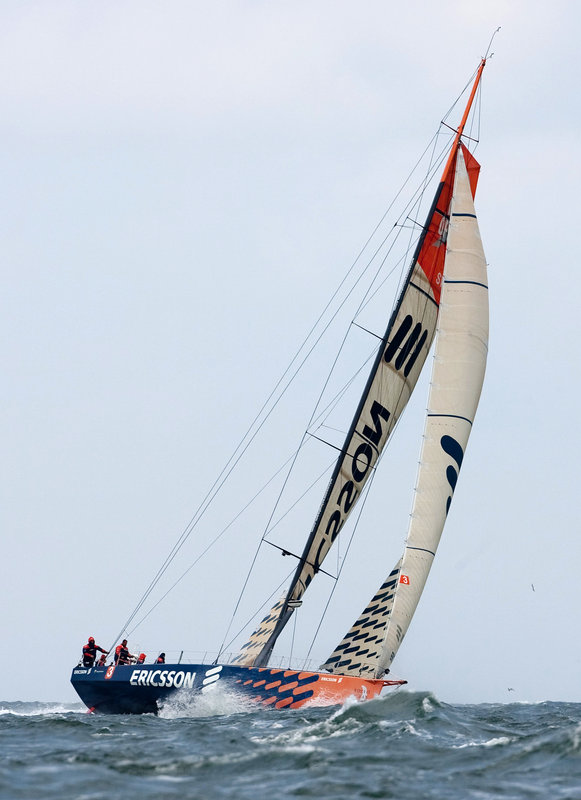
(91,640)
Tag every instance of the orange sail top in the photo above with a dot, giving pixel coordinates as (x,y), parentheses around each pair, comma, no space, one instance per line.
(432,254)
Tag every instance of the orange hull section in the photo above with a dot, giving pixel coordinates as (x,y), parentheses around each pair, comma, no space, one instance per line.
(280,688)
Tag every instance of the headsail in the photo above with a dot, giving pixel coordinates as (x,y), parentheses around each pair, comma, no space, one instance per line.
(394,374)
(457,376)
(358,653)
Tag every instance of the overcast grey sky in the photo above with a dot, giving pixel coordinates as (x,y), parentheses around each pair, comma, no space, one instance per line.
(182,185)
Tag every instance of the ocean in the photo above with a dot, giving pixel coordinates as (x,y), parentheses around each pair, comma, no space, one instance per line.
(406,745)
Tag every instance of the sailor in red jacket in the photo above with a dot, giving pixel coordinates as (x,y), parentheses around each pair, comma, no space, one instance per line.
(90,652)
(122,654)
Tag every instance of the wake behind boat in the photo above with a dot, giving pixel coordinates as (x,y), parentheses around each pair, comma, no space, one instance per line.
(444,297)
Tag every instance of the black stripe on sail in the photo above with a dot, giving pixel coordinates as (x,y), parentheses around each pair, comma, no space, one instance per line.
(474,283)
(459,214)
(423,549)
(451,416)
(423,291)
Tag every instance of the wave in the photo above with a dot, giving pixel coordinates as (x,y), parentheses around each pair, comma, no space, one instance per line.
(215,701)
(37,708)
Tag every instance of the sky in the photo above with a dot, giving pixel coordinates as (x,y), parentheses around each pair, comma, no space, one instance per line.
(183,186)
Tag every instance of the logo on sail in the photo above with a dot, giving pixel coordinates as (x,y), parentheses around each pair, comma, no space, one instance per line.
(362,460)
(408,350)
(454,450)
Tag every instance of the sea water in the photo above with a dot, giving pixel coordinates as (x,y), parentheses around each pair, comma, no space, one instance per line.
(406,745)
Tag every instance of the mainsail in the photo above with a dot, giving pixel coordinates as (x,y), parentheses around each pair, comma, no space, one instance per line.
(457,375)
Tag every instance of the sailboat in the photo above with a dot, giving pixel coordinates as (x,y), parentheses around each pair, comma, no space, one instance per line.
(444,297)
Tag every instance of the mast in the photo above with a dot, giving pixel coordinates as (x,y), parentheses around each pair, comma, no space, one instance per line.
(464,120)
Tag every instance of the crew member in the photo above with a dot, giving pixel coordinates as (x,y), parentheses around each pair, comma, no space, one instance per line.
(160,659)
(122,654)
(90,652)
(141,658)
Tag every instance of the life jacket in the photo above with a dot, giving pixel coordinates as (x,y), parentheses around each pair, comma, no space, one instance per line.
(121,654)
(89,653)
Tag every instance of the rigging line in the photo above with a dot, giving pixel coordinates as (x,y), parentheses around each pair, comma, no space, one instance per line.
(298,500)
(400,263)
(341,431)
(434,165)
(310,423)
(212,543)
(254,615)
(334,402)
(414,201)
(366,330)
(456,101)
(480,90)
(476,115)
(488,54)
(253,562)
(293,638)
(338,548)
(413,239)
(367,297)
(464,135)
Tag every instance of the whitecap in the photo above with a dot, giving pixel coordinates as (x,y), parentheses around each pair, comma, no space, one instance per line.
(219,701)
(38,709)
(494,742)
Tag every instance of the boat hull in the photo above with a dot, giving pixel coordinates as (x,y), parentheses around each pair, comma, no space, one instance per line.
(143,688)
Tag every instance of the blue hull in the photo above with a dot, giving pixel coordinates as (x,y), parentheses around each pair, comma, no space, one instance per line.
(142,688)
